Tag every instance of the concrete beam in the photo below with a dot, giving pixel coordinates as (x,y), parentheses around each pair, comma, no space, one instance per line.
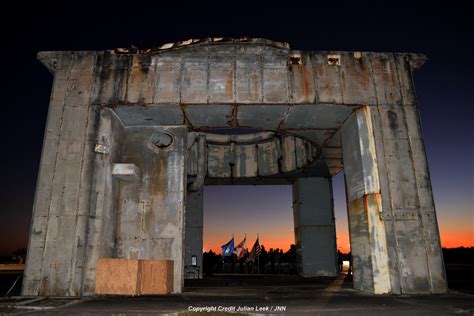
(315,232)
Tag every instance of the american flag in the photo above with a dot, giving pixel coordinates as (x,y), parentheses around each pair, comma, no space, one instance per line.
(256,250)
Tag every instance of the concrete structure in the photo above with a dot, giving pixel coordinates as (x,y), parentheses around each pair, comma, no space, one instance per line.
(315,229)
(132,135)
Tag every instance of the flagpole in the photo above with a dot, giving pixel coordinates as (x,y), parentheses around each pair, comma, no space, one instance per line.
(233,255)
(258,257)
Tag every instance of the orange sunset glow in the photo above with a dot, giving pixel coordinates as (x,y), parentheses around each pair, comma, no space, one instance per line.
(231,211)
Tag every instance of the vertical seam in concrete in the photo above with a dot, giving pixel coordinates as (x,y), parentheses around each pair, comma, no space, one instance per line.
(373,80)
(395,59)
(417,197)
(81,185)
(315,77)
(389,192)
(341,85)
(262,90)
(180,79)
(234,76)
(289,86)
(208,78)
(54,172)
(333,218)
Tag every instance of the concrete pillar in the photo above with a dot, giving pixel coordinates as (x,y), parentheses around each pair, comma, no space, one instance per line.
(194,230)
(315,232)
(54,264)
(393,229)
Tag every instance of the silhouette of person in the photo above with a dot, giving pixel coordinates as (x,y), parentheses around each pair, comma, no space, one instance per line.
(339,260)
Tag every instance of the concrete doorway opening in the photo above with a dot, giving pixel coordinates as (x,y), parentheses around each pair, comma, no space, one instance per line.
(247,212)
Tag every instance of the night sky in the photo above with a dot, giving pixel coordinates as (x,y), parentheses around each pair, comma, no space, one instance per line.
(444,86)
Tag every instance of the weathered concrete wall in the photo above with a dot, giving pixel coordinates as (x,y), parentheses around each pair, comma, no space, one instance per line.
(391,211)
(61,209)
(194,229)
(315,230)
(107,107)
(151,210)
(102,229)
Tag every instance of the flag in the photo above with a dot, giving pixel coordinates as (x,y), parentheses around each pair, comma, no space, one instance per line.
(256,250)
(228,248)
(240,249)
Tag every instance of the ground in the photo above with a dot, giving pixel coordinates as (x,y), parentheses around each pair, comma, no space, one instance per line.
(254,294)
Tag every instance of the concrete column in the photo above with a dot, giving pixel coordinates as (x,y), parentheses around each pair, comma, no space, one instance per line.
(394,235)
(54,264)
(315,232)
(194,229)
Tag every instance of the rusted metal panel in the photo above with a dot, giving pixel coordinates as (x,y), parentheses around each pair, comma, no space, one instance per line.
(219,157)
(221,80)
(167,79)
(385,76)
(245,161)
(275,79)
(356,78)
(267,158)
(301,78)
(328,80)
(248,79)
(194,76)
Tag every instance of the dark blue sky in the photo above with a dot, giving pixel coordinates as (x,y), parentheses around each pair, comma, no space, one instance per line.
(444,84)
